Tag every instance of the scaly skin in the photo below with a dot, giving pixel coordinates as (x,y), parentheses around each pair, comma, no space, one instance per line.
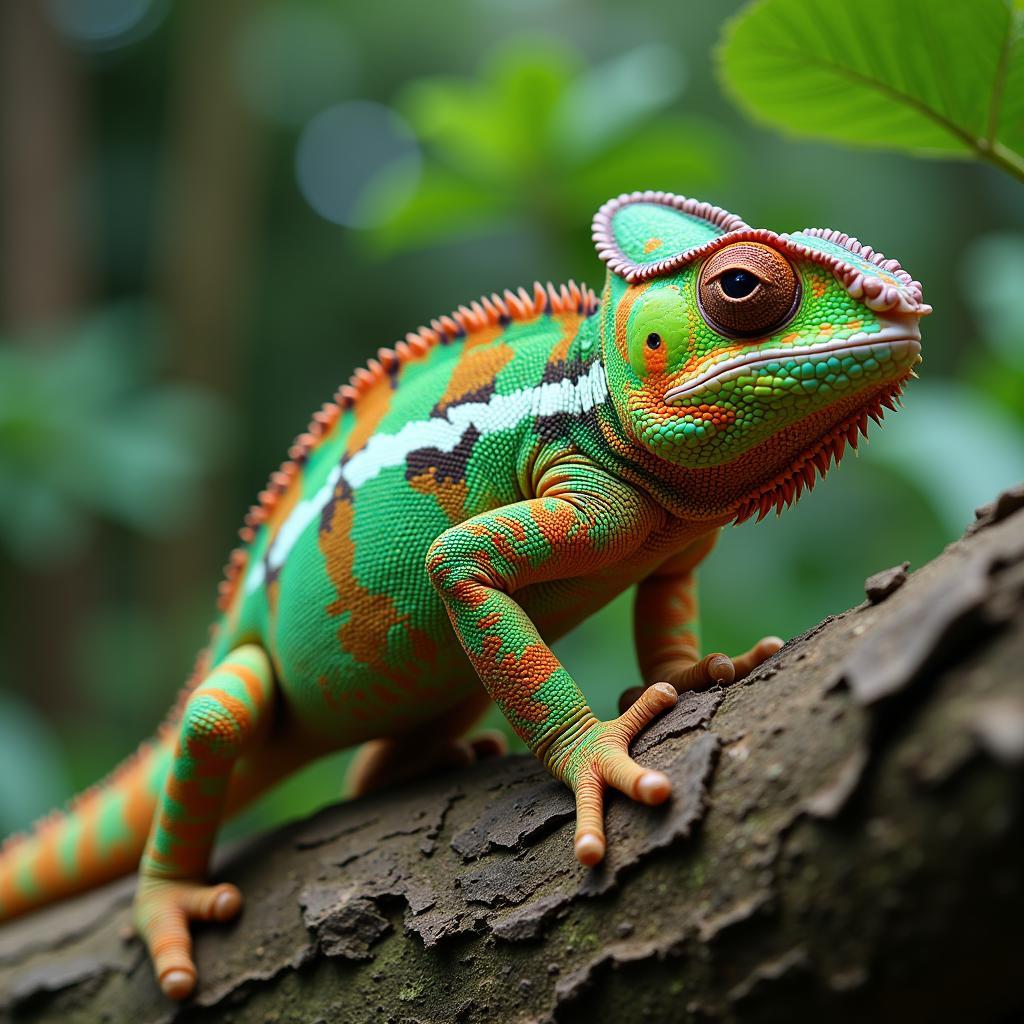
(493,481)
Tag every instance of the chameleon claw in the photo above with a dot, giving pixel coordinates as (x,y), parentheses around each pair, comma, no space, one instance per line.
(761,651)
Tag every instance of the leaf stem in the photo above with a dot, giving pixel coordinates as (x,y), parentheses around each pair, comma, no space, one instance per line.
(1003,157)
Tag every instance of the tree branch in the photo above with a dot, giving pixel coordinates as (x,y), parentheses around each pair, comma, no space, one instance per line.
(843,844)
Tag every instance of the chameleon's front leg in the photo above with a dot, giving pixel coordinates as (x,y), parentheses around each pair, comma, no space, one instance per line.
(477,566)
(667,629)
(223,717)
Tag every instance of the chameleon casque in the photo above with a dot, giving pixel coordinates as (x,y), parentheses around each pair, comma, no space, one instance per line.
(492,480)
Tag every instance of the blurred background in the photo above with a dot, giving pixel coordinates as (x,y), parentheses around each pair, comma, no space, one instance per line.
(210,213)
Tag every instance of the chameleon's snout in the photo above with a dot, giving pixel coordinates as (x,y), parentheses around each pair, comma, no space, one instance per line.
(836,363)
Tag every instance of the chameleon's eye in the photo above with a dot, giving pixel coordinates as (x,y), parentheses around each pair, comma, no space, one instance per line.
(748,289)
(653,340)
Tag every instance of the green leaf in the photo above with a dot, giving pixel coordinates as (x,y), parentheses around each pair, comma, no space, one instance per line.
(941,78)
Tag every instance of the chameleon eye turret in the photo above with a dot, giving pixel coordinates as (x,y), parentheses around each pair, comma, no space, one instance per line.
(748,289)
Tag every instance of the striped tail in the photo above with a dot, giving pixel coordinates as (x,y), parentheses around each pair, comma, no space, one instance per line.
(99,837)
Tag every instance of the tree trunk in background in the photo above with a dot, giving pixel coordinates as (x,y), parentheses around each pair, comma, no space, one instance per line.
(211,192)
(844,844)
(43,283)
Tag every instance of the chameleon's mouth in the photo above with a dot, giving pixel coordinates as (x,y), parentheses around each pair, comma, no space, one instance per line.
(899,342)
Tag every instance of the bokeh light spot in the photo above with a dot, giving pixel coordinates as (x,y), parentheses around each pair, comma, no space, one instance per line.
(342,155)
(105,24)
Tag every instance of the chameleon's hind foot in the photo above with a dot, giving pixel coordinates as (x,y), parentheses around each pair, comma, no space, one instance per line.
(163,909)
(711,670)
(386,762)
(599,757)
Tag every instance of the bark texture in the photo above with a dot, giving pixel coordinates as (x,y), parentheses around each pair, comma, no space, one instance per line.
(846,843)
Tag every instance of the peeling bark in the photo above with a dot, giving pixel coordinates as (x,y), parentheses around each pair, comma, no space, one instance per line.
(844,844)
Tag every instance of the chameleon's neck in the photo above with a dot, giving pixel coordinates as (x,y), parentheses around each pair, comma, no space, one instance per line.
(600,435)
(771,471)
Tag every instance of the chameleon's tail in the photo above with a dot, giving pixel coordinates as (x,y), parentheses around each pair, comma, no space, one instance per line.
(98,837)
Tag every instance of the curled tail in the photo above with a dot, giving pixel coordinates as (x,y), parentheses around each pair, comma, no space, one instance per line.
(99,837)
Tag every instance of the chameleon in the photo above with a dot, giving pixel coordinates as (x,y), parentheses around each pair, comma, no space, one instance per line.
(471,495)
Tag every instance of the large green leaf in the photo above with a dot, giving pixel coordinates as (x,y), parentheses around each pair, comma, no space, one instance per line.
(944,77)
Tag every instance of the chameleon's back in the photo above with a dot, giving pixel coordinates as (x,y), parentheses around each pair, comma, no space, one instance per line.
(332,581)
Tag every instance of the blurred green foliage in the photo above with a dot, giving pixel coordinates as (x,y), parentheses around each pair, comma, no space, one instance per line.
(107,455)
(89,432)
(538,138)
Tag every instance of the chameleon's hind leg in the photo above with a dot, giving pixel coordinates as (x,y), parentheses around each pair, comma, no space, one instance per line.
(437,743)
(667,633)
(224,717)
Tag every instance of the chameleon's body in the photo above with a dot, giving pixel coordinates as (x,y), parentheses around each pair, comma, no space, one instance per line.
(507,471)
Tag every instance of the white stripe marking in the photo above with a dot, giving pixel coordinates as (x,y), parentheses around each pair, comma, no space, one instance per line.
(382,451)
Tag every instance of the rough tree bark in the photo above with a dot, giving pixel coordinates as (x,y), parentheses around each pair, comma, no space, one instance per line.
(845,844)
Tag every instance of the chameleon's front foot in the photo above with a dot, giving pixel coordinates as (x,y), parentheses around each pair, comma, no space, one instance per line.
(593,755)
(163,909)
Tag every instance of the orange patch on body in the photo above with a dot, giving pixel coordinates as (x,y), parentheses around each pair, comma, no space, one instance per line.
(622,311)
(371,616)
(368,411)
(651,244)
(249,679)
(524,675)
(696,361)
(47,868)
(561,350)
(450,495)
(477,367)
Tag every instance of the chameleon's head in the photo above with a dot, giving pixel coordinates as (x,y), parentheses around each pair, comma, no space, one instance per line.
(718,338)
